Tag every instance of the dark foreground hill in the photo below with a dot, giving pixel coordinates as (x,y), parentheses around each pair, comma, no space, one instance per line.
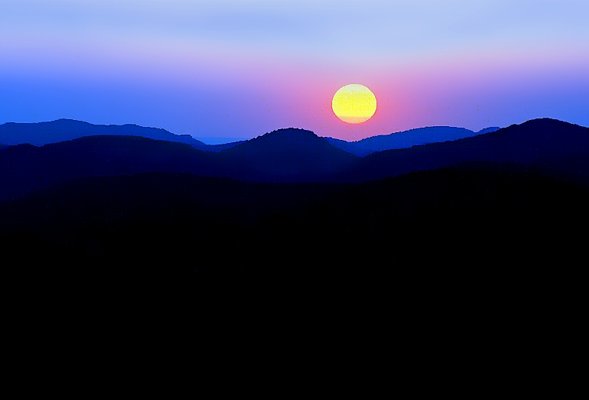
(162,224)
(480,249)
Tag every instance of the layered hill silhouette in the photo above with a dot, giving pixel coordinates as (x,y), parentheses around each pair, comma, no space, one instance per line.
(406,139)
(26,168)
(548,145)
(292,155)
(42,133)
(105,210)
(289,155)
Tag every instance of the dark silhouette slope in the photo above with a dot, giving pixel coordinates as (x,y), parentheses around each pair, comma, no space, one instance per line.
(452,247)
(27,168)
(288,155)
(389,228)
(65,129)
(549,145)
(488,130)
(406,139)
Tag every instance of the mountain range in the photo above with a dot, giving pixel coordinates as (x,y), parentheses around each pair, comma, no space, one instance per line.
(291,155)
(406,139)
(43,133)
(546,145)
(289,208)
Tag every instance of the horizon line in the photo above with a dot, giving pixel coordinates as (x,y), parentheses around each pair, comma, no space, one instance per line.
(217,140)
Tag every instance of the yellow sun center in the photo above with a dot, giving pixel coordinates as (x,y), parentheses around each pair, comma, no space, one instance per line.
(354,104)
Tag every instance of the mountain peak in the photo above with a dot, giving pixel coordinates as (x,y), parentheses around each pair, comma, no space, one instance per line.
(285,139)
(65,122)
(545,123)
(290,132)
(68,120)
(288,154)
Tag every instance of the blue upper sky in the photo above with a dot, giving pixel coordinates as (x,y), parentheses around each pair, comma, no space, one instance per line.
(239,68)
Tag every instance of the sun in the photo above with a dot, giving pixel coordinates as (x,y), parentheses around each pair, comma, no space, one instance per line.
(354,104)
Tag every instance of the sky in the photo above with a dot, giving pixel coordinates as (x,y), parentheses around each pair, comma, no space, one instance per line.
(239,68)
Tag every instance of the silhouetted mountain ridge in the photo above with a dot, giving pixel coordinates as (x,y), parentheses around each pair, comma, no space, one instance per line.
(406,139)
(93,220)
(67,129)
(292,155)
(542,144)
(284,155)
(25,168)
(488,130)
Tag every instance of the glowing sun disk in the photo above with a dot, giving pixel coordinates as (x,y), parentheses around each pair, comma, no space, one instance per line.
(354,104)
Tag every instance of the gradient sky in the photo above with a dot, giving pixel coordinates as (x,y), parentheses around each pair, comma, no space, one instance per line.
(239,68)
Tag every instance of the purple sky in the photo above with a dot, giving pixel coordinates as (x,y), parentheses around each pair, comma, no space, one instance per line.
(239,68)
